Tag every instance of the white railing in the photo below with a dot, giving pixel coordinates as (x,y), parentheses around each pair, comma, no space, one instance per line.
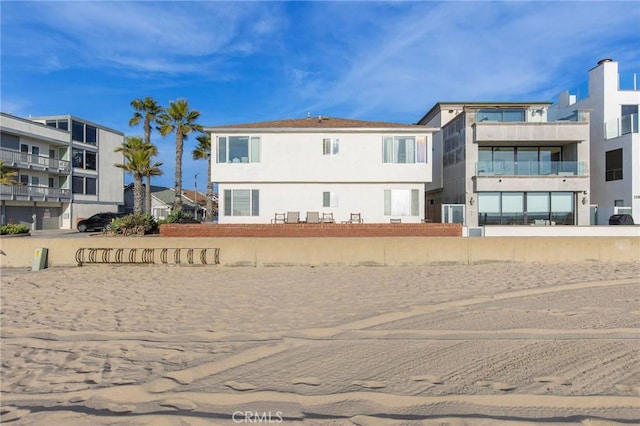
(26,160)
(20,192)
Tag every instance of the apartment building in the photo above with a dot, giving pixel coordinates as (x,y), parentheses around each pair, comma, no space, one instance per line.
(65,170)
(613,100)
(321,164)
(508,163)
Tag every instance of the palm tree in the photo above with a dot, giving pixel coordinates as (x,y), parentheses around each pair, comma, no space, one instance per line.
(177,118)
(203,152)
(136,160)
(151,169)
(147,110)
(7,176)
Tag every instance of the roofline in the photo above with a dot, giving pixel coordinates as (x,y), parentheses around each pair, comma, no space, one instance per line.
(404,129)
(439,105)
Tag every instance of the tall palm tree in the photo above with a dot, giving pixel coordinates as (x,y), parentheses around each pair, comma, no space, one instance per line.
(178,119)
(147,110)
(203,152)
(136,160)
(7,176)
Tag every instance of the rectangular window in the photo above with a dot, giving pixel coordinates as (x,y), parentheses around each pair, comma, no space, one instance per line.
(329,199)
(78,158)
(500,115)
(241,202)
(51,183)
(35,181)
(63,124)
(222,150)
(24,179)
(401,202)
(35,150)
(77,131)
(421,149)
(239,149)
(77,185)
(613,165)
(91,135)
(330,146)
(90,160)
(91,186)
(399,149)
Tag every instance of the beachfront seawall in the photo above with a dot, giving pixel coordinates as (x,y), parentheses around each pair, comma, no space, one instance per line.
(356,251)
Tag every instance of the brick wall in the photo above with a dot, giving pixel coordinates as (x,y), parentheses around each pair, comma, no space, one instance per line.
(312,230)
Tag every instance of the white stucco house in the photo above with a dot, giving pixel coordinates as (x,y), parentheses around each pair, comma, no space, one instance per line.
(324,165)
(65,167)
(614,101)
(508,163)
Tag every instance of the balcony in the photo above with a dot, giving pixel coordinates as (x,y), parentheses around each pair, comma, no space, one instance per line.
(33,193)
(531,168)
(621,126)
(531,176)
(24,160)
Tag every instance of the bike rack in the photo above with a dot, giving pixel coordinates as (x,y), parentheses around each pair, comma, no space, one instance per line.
(147,256)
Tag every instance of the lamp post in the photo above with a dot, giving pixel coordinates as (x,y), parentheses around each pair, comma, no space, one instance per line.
(195,178)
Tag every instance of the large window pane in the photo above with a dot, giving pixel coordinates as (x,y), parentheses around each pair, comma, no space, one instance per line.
(91,135)
(387,150)
(77,185)
(415,202)
(91,186)
(77,131)
(255,202)
(512,208)
(503,161)
(485,160)
(78,158)
(613,165)
(255,150)
(239,149)
(527,161)
(562,208)
(90,160)
(513,115)
(489,208)
(537,206)
(488,115)
(227,202)
(241,202)
(422,150)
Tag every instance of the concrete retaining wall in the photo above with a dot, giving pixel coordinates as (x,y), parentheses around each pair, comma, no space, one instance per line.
(390,251)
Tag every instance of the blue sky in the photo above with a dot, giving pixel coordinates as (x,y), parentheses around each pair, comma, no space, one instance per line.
(252,61)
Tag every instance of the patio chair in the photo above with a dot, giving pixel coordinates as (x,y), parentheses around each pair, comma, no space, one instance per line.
(278,218)
(293,217)
(313,217)
(355,218)
(327,218)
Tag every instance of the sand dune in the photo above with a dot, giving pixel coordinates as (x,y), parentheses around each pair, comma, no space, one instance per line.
(437,345)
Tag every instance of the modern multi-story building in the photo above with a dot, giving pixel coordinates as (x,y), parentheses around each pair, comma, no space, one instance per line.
(65,170)
(321,164)
(508,163)
(615,142)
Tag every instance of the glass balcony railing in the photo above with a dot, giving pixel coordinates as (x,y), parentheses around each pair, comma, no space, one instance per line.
(531,168)
(621,126)
(26,192)
(25,160)
(550,115)
(629,81)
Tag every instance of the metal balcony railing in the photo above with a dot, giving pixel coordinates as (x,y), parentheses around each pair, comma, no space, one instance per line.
(26,192)
(25,160)
(531,168)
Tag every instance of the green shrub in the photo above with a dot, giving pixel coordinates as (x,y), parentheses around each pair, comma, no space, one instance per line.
(178,216)
(13,228)
(134,224)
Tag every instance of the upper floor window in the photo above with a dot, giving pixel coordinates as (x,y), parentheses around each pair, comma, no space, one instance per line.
(500,115)
(58,124)
(81,132)
(84,159)
(84,185)
(238,149)
(330,146)
(404,149)
(613,165)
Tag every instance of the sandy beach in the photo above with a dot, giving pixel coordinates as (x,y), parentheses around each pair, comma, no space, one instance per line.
(500,343)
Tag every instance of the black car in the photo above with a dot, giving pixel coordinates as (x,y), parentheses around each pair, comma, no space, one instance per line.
(98,222)
(621,219)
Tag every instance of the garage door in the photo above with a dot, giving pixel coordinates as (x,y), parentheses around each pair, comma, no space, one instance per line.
(18,214)
(48,217)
